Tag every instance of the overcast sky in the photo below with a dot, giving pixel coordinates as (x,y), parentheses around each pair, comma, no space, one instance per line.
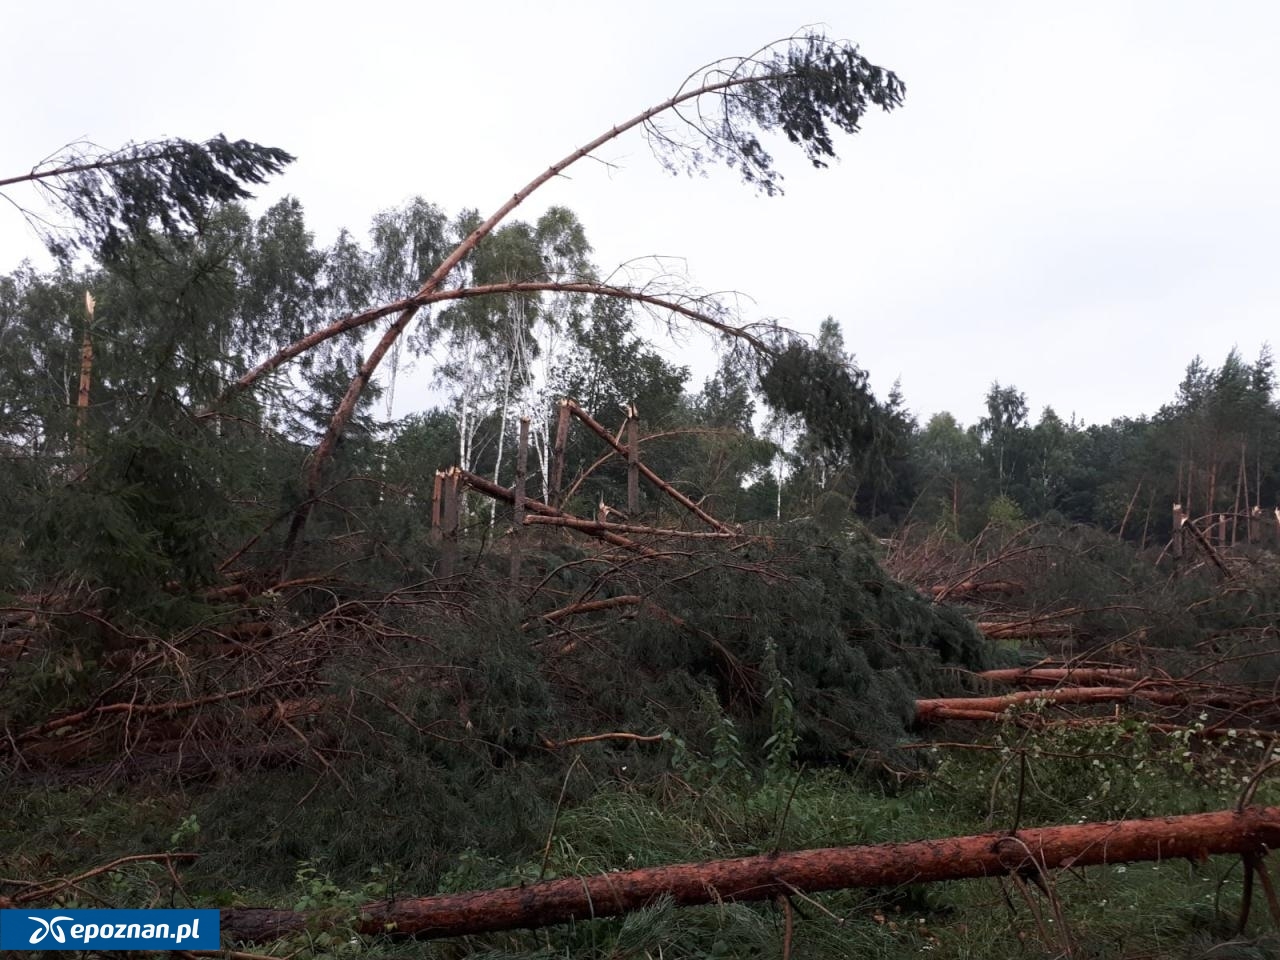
(1076,198)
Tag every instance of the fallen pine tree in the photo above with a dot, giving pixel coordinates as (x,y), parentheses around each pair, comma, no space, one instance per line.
(1029,853)
(1053,676)
(991,708)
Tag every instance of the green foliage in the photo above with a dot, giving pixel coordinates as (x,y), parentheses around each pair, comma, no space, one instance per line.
(164,185)
(802,88)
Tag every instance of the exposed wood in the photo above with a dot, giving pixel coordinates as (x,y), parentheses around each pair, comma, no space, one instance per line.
(602,525)
(1179,534)
(767,876)
(86,377)
(1211,553)
(1024,629)
(591,424)
(450,552)
(944,707)
(633,461)
(557,453)
(437,490)
(491,489)
(591,606)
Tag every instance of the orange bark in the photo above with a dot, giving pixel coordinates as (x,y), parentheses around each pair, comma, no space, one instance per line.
(1077,676)
(948,707)
(768,876)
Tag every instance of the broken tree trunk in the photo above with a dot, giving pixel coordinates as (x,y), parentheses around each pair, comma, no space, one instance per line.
(633,461)
(532,507)
(86,377)
(591,424)
(1050,676)
(557,453)
(985,708)
(767,876)
(598,526)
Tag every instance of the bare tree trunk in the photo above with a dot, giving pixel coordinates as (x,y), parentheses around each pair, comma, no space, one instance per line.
(947,708)
(1129,509)
(1032,852)
(557,453)
(86,377)
(591,424)
(436,506)
(450,523)
(518,492)
(633,462)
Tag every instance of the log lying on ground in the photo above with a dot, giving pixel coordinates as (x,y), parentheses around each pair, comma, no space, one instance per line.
(1052,676)
(768,876)
(1024,629)
(989,708)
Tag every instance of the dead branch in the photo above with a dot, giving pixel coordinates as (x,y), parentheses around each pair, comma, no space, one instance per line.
(604,526)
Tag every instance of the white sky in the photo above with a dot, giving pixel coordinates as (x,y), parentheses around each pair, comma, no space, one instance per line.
(1076,197)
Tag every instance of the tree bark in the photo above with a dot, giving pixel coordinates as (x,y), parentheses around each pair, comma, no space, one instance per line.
(591,424)
(945,708)
(598,526)
(484,486)
(1077,676)
(768,876)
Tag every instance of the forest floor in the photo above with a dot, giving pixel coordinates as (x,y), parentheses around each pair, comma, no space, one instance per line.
(627,803)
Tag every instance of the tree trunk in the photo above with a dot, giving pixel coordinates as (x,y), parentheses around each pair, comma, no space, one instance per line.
(770,875)
(948,708)
(591,424)
(518,500)
(1077,676)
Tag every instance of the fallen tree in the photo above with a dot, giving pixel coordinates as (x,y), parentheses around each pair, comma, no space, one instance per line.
(1028,853)
(1053,676)
(990,708)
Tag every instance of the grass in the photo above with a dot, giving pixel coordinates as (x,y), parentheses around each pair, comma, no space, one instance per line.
(707,808)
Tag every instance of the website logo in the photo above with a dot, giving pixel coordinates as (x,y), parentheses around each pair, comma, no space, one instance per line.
(47,927)
(109,930)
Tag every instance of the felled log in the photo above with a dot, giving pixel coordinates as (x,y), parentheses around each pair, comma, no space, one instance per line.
(1050,676)
(974,708)
(1024,629)
(771,875)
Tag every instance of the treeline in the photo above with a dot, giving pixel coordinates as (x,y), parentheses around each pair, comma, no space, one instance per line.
(119,465)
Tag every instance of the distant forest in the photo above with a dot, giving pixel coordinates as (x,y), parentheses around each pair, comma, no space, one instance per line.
(172,324)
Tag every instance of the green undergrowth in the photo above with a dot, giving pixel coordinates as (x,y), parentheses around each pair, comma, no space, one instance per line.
(653,804)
